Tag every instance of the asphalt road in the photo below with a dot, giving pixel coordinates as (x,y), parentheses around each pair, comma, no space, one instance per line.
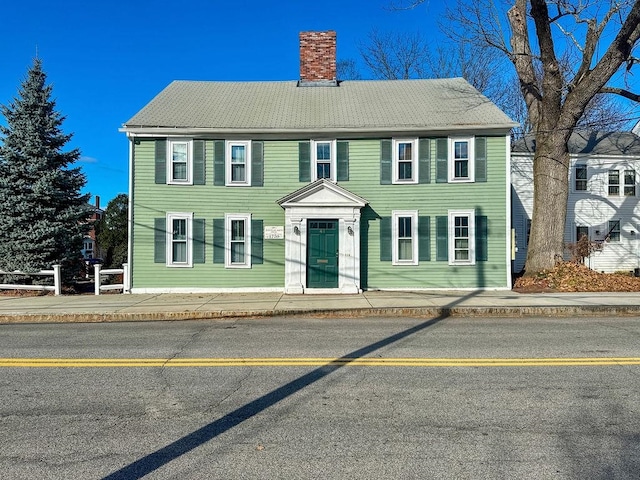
(326,398)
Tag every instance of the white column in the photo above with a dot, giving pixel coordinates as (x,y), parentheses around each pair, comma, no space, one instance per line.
(294,261)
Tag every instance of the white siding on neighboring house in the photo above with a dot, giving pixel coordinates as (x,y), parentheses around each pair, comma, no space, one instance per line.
(606,193)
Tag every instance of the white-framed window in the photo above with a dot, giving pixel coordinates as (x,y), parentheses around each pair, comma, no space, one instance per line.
(404,231)
(179,239)
(614,182)
(630,183)
(237,238)
(405,160)
(614,231)
(180,165)
(238,163)
(581,178)
(323,159)
(581,231)
(462,237)
(461,159)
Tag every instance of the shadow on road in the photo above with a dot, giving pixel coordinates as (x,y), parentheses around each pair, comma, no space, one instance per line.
(163,456)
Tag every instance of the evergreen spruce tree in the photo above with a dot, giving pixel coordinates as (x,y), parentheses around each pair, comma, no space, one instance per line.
(43,215)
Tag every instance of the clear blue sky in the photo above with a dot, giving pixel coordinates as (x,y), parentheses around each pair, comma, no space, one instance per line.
(107,59)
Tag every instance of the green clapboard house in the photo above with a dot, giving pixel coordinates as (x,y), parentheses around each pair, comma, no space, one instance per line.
(319,185)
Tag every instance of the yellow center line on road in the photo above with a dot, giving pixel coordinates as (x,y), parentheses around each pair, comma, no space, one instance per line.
(313,362)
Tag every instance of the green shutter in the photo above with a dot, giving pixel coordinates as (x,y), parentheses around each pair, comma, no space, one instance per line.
(218,163)
(161,161)
(442,160)
(424,157)
(385,239)
(482,234)
(218,240)
(257,250)
(343,161)
(424,238)
(304,161)
(442,238)
(481,159)
(198,240)
(386,155)
(257,164)
(160,240)
(199,164)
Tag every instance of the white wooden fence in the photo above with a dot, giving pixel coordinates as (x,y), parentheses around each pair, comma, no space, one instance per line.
(99,272)
(55,273)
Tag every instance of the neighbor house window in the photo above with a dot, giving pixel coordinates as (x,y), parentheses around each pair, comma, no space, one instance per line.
(179,164)
(238,240)
(614,182)
(581,231)
(461,160)
(614,231)
(405,161)
(581,178)
(238,163)
(462,237)
(179,239)
(405,237)
(630,183)
(324,159)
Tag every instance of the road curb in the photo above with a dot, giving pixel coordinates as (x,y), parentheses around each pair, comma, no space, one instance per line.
(427,312)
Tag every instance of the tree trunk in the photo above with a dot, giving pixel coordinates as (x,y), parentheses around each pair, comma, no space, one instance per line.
(550,195)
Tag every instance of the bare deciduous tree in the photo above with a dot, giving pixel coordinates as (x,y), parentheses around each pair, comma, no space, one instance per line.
(565,54)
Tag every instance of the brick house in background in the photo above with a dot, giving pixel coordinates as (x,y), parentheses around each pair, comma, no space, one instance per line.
(89,245)
(319,185)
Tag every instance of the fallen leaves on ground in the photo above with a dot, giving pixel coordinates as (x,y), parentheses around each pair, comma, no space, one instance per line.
(575,277)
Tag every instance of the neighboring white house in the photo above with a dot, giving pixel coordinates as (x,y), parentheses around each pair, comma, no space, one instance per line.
(603,197)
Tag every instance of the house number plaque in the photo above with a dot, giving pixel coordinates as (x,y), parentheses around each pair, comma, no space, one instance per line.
(273,233)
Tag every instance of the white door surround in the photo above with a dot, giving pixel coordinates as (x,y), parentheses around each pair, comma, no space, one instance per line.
(322,199)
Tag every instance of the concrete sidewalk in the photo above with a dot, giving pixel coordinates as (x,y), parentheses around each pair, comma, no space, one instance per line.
(143,307)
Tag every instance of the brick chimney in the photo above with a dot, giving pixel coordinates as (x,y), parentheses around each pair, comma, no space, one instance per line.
(318,59)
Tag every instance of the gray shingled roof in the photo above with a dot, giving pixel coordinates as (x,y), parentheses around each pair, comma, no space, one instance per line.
(590,143)
(409,105)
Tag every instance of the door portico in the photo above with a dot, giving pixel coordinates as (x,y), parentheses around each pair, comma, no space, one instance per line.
(317,201)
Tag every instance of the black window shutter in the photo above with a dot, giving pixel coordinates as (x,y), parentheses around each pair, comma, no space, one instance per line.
(198,240)
(424,158)
(161,161)
(257,244)
(160,240)
(481,159)
(199,165)
(218,240)
(482,234)
(386,155)
(343,161)
(304,161)
(218,163)
(385,239)
(257,164)
(442,238)
(424,238)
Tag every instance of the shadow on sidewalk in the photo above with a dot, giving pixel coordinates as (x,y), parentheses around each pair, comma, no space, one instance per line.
(164,455)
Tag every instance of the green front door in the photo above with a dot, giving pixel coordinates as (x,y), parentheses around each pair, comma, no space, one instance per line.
(322,256)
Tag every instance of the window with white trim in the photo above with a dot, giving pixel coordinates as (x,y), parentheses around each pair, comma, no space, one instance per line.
(404,231)
(614,231)
(581,178)
(630,183)
(179,239)
(323,157)
(405,160)
(461,159)
(179,166)
(238,163)
(237,236)
(462,238)
(614,182)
